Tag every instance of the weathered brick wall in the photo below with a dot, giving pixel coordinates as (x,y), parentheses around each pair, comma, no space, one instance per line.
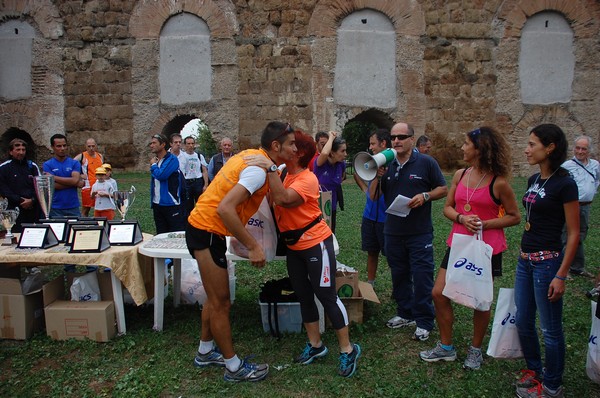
(97,77)
(95,69)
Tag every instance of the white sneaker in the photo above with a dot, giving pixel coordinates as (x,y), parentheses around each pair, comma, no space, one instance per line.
(399,322)
(421,334)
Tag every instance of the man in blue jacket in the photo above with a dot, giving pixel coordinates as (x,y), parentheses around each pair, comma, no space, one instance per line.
(165,187)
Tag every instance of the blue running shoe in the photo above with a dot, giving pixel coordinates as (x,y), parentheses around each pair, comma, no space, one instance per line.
(247,372)
(213,357)
(348,361)
(311,353)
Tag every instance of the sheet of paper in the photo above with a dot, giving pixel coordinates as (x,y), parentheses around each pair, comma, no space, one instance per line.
(399,206)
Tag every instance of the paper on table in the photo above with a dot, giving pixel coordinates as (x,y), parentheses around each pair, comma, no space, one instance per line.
(399,206)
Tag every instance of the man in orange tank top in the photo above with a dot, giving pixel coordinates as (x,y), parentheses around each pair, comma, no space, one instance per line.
(90,160)
(223,209)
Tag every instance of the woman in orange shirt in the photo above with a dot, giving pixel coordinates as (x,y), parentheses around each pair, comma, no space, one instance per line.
(310,257)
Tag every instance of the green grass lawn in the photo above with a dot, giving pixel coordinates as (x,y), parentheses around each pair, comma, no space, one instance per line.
(145,363)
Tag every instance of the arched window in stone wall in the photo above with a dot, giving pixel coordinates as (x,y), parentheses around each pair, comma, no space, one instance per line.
(16,43)
(365,72)
(185,61)
(546,60)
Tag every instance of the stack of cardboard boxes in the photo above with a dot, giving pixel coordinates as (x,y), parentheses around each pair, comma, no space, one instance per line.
(22,314)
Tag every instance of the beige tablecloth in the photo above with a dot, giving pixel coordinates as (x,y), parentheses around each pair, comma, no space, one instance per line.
(133,269)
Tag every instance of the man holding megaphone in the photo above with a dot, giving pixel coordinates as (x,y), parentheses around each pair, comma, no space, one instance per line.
(409,239)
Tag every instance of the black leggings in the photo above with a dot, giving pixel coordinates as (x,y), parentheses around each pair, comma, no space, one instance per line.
(312,272)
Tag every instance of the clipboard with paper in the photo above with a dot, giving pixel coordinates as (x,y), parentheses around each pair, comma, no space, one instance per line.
(399,206)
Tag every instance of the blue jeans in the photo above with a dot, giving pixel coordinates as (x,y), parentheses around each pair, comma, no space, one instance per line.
(65,213)
(531,294)
(411,263)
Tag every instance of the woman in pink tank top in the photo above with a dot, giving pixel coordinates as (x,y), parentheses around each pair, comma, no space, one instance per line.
(480,197)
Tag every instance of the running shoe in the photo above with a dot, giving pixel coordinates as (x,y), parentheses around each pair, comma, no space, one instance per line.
(438,353)
(474,359)
(247,372)
(213,357)
(348,361)
(311,353)
(399,322)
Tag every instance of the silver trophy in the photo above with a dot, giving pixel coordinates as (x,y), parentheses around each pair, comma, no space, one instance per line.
(44,191)
(3,203)
(124,200)
(8,218)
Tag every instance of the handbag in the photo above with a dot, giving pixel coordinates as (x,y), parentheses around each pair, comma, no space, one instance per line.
(469,274)
(292,236)
(592,363)
(262,227)
(504,341)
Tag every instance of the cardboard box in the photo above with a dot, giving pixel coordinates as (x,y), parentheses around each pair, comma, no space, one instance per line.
(289,317)
(23,314)
(346,284)
(355,305)
(93,320)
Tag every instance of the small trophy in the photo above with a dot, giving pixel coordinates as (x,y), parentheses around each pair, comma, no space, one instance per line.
(8,219)
(124,200)
(44,191)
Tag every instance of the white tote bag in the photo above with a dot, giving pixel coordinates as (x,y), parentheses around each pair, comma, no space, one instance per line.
(504,342)
(262,227)
(592,364)
(469,274)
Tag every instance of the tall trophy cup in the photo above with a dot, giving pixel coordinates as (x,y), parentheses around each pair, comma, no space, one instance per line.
(124,200)
(8,219)
(44,191)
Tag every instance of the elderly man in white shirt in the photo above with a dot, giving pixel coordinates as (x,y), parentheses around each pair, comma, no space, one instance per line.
(586,173)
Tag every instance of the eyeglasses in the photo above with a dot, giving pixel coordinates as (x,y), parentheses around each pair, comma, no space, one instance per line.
(400,137)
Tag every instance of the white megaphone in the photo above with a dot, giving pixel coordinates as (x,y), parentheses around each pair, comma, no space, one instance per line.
(366,165)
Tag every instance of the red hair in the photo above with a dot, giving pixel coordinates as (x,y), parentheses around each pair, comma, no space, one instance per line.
(306,147)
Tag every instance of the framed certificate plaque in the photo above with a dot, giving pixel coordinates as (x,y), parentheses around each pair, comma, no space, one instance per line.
(39,236)
(124,233)
(88,239)
(58,225)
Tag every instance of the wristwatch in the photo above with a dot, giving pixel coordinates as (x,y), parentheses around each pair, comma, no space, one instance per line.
(426,196)
(272,169)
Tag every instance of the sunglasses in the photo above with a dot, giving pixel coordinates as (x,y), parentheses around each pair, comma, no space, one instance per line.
(400,137)
(160,138)
(288,129)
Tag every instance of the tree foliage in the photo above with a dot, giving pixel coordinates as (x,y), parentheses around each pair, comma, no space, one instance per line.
(206,144)
(356,135)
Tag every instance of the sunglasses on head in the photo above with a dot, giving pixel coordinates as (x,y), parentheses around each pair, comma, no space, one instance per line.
(288,129)
(400,137)
(159,137)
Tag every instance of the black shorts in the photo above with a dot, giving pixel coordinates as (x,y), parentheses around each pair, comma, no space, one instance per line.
(372,236)
(496,263)
(198,239)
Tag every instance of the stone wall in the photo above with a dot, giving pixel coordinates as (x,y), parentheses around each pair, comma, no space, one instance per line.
(96,70)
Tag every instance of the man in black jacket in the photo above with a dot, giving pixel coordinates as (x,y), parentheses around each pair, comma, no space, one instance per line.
(16,183)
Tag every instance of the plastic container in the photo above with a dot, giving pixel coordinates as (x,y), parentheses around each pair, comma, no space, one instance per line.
(290,318)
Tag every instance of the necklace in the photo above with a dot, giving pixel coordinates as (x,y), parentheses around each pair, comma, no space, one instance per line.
(529,203)
(467,206)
